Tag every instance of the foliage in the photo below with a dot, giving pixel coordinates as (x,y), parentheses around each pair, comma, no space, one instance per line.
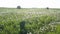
(47,8)
(38,25)
(11,19)
(18,7)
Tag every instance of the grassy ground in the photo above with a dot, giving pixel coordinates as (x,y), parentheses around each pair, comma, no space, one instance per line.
(11,17)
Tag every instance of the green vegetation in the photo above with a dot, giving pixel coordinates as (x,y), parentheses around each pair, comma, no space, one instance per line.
(35,21)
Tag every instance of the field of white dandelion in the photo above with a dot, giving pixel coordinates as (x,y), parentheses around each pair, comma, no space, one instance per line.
(37,21)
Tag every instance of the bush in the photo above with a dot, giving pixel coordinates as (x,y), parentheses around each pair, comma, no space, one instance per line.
(47,8)
(18,7)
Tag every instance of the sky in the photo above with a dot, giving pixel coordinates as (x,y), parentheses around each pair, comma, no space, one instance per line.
(30,3)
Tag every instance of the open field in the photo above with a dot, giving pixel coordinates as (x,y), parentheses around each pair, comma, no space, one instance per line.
(34,19)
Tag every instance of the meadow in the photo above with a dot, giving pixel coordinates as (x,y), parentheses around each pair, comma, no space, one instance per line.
(29,21)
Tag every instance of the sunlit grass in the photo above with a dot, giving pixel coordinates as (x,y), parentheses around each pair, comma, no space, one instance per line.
(11,18)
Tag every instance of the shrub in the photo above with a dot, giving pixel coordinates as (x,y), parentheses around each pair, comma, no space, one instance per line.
(18,7)
(47,8)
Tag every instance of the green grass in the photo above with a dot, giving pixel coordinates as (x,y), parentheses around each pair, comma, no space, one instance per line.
(34,18)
